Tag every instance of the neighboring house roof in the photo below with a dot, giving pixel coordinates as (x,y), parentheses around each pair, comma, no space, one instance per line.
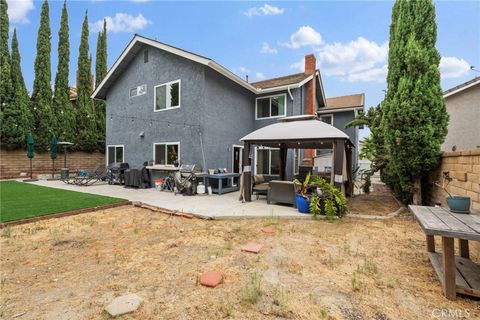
(280,81)
(461,87)
(341,103)
(72,91)
(138,42)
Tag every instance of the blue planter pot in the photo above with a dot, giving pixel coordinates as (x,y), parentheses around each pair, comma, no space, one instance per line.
(303,205)
(459,204)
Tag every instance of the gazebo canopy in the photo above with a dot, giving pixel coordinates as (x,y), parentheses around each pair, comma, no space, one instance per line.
(305,130)
(301,132)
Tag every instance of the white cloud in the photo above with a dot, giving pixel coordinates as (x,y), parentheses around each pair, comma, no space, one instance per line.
(341,59)
(18,10)
(373,74)
(304,36)
(244,70)
(266,10)
(299,65)
(452,67)
(122,22)
(259,76)
(265,49)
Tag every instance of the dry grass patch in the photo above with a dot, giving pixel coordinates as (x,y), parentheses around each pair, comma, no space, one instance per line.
(350,269)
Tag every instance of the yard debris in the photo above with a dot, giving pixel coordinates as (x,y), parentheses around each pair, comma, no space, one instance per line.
(268,230)
(211,279)
(164,211)
(252,247)
(124,304)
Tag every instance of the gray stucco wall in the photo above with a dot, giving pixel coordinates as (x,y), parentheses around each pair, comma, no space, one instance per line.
(175,125)
(464,124)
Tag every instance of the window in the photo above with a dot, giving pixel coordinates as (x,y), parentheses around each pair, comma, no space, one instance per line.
(114,154)
(145,56)
(268,161)
(138,91)
(166,153)
(328,118)
(167,96)
(271,107)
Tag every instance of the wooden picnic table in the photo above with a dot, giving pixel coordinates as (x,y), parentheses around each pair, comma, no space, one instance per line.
(457,274)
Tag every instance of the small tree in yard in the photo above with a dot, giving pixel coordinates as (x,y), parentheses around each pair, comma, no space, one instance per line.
(101,70)
(86,125)
(414,114)
(62,106)
(17,115)
(41,100)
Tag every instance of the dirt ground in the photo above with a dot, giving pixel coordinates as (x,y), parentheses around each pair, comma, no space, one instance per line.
(71,268)
(380,202)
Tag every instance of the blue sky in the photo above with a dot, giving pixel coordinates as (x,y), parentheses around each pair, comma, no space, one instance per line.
(263,39)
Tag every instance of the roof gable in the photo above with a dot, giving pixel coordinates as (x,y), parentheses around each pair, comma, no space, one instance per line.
(137,43)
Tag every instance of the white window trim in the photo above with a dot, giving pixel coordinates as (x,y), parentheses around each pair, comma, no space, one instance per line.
(116,146)
(167,143)
(269,159)
(241,156)
(270,96)
(327,115)
(179,95)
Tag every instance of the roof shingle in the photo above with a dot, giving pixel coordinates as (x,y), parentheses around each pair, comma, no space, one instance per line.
(280,81)
(342,102)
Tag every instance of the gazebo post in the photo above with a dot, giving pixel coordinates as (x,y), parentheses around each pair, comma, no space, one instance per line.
(283,162)
(247,172)
(349,189)
(339,151)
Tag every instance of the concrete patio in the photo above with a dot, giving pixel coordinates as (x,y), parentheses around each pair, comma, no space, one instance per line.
(211,206)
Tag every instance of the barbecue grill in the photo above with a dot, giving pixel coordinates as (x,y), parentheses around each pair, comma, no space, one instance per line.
(116,172)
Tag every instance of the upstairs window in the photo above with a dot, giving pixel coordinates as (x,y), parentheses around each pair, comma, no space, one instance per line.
(138,91)
(167,96)
(271,107)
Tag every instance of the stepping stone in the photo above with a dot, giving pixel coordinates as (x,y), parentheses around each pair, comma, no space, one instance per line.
(252,247)
(268,230)
(124,304)
(211,279)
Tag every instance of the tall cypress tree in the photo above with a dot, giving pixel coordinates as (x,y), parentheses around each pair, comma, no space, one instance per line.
(86,123)
(62,106)
(6,88)
(17,115)
(41,100)
(101,70)
(415,117)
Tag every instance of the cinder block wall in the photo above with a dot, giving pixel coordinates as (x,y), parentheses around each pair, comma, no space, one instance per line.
(464,168)
(12,163)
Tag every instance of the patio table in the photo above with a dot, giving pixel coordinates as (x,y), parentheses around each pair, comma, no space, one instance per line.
(220,177)
(457,274)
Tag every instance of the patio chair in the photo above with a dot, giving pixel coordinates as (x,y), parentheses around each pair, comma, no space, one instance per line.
(281,192)
(86,178)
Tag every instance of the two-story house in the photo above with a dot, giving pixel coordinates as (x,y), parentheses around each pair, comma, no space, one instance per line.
(171,105)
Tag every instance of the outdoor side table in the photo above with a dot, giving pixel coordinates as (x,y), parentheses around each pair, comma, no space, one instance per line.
(220,177)
(457,274)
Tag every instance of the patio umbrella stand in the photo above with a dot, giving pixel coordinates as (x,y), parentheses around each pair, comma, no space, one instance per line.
(30,155)
(53,156)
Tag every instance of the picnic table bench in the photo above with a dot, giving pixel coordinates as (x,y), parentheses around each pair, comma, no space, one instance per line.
(457,274)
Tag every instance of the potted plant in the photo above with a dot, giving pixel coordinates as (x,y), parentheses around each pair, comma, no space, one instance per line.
(328,200)
(457,204)
(301,198)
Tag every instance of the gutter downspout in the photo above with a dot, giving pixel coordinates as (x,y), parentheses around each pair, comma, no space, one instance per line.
(290,93)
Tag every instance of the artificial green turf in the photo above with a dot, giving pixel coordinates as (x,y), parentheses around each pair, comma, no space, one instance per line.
(19,200)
